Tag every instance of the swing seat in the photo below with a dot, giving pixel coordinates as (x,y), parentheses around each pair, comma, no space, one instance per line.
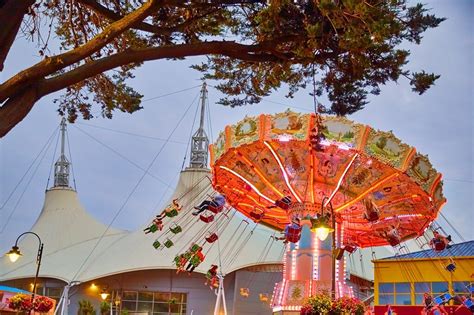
(206,219)
(393,241)
(256,215)
(172,213)
(176,229)
(281,204)
(187,255)
(153,228)
(293,235)
(373,216)
(263,297)
(216,210)
(244,292)
(209,275)
(451,267)
(212,238)
(438,245)
(195,248)
(338,253)
(195,261)
(350,249)
(177,261)
(156,244)
(168,243)
(469,304)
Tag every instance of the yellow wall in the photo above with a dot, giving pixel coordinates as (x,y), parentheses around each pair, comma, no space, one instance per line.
(421,270)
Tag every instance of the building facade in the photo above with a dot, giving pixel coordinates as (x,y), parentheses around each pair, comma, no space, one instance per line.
(400,281)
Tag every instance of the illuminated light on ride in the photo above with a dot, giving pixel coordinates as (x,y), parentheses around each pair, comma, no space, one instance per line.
(315,257)
(248,183)
(282,168)
(282,290)
(262,177)
(311,178)
(293,261)
(286,308)
(336,242)
(366,192)
(323,232)
(285,138)
(341,179)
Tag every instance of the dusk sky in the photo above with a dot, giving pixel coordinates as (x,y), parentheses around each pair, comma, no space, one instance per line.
(105,153)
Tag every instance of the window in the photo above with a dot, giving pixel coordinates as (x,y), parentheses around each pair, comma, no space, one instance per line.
(156,303)
(463,288)
(54,293)
(434,288)
(394,293)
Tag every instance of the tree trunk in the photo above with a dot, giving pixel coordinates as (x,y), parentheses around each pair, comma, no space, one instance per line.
(16,108)
(11,15)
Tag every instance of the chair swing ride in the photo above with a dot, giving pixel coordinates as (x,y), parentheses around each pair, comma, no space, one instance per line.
(310,175)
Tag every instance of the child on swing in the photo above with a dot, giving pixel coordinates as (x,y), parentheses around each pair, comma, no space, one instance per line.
(156,225)
(211,277)
(170,208)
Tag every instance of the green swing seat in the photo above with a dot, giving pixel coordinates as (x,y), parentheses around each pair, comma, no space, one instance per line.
(195,261)
(176,229)
(153,228)
(172,213)
(195,248)
(156,244)
(168,243)
(187,255)
(177,261)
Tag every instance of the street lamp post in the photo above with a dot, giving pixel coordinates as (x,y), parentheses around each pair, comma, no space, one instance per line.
(15,253)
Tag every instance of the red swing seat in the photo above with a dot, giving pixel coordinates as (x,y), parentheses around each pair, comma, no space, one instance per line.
(206,219)
(350,248)
(256,215)
(212,238)
(373,216)
(281,204)
(216,210)
(293,235)
(438,245)
(393,241)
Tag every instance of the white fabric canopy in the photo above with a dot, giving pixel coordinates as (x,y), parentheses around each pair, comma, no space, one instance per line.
(77,247)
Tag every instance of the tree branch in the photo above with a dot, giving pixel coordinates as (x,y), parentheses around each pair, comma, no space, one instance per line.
(114,16)
(19,105)
(53,64)
(11,15)
(229,49)
(16,108)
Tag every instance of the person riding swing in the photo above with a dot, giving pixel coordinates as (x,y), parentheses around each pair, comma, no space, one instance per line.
(171,210)
(292,232)
(211,277)
(156,225)
(218,201)
(372,213)
(440,242)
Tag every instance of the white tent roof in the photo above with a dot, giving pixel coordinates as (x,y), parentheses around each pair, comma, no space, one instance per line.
(77,247)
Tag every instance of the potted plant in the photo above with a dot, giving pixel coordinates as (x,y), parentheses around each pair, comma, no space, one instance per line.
(318,304)
(42,304)
(322,303)
(104,308)
(86,308)
(21,303)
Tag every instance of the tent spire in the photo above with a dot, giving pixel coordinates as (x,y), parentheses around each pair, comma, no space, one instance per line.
(200,142)
(61,167)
